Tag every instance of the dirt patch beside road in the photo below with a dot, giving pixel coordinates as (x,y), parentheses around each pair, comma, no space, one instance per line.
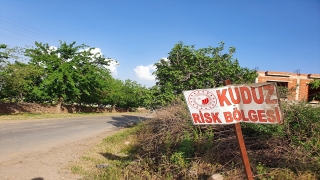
(51,164)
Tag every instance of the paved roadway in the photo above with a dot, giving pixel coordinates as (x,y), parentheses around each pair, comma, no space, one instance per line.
(19,137)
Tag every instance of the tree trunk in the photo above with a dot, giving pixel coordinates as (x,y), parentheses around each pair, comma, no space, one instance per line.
(60,100)
(114,108)
(21,97)
(79,107)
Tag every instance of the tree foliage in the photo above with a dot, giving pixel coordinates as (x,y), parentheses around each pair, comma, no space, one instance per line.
(71,73)
(315,84)
(154,98)
(19,79)
(3,55)
(126,94)
(66,74)
(189,68)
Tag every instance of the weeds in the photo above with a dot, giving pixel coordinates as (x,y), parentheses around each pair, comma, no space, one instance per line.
(169,147)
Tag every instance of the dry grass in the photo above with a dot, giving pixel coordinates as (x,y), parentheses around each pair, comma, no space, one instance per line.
(113,153)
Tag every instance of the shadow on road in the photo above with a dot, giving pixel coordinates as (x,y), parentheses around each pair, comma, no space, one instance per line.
(127,120)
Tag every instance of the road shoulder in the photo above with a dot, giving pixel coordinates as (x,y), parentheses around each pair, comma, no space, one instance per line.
(51,164)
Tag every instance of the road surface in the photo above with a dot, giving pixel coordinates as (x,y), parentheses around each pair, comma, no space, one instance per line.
(27,145)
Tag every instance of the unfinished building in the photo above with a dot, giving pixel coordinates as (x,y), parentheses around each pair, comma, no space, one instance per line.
(296,84)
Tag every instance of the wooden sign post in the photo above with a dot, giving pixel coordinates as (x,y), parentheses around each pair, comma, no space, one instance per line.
(242,147)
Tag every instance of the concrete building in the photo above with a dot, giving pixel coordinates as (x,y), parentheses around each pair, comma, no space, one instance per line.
(296,82)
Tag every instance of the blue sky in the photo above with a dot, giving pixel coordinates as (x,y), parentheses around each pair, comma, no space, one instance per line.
(269,34)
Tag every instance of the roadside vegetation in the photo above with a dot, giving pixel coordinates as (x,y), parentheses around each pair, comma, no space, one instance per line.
(68,74)
(170,147)
(72,74)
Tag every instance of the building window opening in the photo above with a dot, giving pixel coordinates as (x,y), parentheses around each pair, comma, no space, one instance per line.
(283,90)
(313,94)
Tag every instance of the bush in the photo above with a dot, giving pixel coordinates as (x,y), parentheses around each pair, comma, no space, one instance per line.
(301,127)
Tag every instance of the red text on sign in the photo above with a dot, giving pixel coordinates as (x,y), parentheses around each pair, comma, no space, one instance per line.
(262,116)
(246,95)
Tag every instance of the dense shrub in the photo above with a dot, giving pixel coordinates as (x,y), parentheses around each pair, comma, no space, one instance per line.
(301,127)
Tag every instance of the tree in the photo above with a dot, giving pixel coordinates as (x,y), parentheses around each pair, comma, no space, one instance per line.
(187,68)
(154,98)
(18,80)
(71,73)
(133,94)
(126,94)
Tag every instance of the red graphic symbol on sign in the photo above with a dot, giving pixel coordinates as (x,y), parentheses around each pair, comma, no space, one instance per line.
(205,101)
(202,99)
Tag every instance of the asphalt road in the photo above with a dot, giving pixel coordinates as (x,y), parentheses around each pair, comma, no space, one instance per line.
(18,137)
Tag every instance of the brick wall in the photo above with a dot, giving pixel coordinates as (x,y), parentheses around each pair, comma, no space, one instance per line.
(297,81)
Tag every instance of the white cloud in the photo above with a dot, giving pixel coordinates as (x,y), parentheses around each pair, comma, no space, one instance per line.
(95,50)
(53,48)
(113,67)
(165,59)
(145,72)
(113,63)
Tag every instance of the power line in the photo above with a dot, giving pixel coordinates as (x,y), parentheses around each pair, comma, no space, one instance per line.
(123,67)
(30,30)
(17,33)
(28,26)
(14,38)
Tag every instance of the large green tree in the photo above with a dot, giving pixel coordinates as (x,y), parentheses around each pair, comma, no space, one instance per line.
(126,94)
(18,80)
(155,98)
(71,73)
(188,68)
(134,94)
